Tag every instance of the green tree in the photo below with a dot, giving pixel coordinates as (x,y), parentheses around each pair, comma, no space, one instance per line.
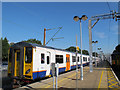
(5,47)
(73,49)
(117,48)
(33,41)
(85,52)
(11,43)
(94,54)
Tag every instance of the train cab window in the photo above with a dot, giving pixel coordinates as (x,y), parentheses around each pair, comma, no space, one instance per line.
(48,61)
(42,58)
(28,55)
(59,58)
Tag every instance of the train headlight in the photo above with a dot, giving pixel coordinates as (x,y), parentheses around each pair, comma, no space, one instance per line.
(27,71)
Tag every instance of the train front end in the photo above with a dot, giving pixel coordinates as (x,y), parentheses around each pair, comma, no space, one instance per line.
(20,61)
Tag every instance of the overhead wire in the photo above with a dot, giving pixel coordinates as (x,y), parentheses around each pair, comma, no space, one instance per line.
(32,13)
(109,27)
(15,23)
(21,25)
(53,35)
(108,6)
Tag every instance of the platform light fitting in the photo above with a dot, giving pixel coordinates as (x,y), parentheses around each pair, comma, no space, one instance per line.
(84,17)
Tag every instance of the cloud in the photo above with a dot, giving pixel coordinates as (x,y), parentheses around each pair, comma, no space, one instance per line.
(101,35)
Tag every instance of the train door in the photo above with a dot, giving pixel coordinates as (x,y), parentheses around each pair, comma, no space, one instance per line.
(67,62)
(17,63)
(28,55)
(48,64)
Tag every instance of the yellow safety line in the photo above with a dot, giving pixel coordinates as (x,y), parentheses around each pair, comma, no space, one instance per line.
(100,80)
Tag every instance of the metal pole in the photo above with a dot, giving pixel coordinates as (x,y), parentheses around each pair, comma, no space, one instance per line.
(90,46)
(101,55)
(81,50)
(56,78)
(95,56)
(76,66)
(57,71)
(44,36)
(53,83)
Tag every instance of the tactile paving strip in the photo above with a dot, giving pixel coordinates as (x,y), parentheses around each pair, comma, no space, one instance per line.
(112,81)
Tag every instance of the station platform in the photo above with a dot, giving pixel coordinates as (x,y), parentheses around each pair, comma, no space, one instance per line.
(101,77)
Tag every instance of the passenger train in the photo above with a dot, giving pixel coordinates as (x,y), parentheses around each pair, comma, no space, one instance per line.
(29,61)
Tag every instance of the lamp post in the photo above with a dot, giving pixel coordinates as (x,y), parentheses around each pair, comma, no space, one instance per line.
(102,55)
(99,50)
(76,18)
(95,52)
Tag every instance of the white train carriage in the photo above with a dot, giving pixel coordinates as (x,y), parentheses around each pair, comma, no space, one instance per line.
(32,61)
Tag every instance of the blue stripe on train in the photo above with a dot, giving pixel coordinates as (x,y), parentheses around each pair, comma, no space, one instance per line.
(43,73)
(60,70)
(39,74)
(73,67)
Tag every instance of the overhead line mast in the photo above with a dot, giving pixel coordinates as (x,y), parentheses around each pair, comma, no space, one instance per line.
(44,41)
(113,15)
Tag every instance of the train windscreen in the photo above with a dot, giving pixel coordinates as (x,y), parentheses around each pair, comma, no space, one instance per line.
(28,55)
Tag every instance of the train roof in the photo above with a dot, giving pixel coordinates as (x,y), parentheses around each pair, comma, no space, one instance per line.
(26,44)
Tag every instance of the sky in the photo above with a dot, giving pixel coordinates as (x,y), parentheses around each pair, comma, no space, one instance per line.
(26,20)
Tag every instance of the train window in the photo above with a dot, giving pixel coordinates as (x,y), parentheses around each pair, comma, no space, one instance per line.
(28,55)
(59,58)
(48,60)
(18,56)
(84,59)
(78,59)
(73,59)
(42,58)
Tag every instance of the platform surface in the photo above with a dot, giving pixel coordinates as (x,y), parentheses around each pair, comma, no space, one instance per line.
(101,77)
